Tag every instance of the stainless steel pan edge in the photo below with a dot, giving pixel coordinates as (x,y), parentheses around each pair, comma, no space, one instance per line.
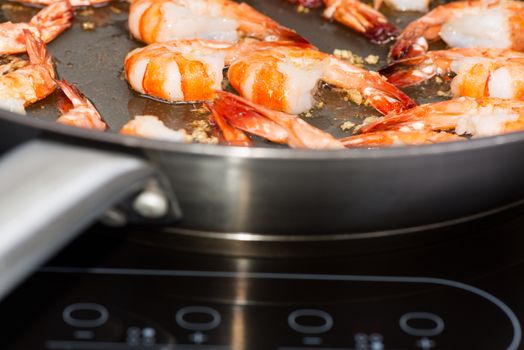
(309,193)
(52,186)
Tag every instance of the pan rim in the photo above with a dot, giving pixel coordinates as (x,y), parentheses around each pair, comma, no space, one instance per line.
(114,139)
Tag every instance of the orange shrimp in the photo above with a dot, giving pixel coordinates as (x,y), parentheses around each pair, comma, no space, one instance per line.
(149,126)
(272,125)
(361,18)
(32,82)
(286,78)
(78,111)
(185,70)
(404,5)
(46,24)
(415,70)
(492,24)
(464,115)
(398,138)
(74,3)
(231,135)
(503,78)
(223,20)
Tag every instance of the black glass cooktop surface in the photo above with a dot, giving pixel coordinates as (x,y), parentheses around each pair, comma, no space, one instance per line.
(465,291)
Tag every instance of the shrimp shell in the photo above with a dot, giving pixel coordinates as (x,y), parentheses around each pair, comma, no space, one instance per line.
(32,82)
(46,24)
(285,79)
(222,20)
(413,41)
(79,111)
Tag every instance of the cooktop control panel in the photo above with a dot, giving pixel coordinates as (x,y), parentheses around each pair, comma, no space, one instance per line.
(122,308)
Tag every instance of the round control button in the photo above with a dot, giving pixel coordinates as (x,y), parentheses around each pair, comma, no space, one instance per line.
(435,327)
(85,315)
(183,314)
(294,322)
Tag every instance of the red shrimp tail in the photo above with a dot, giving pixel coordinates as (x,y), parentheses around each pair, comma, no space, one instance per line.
(392,122)
(63,103)
(409,71)
(391,103)
(286,34)
(364,19)
(53,19)
(255,24)
(244,117)
(37,51)
(308,3)
(387,98)
(75,97)
(381,33)
(381,95)
(273,125)
(407,47)
(229,134)
(374,139)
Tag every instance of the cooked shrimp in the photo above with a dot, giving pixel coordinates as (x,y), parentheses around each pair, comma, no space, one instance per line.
(286,78)
(414,70)
(272,125)
(223,20)
(78,111)
(493,24)
(149,126)
(230,135)
(30,83)
(46,24)
(308,3)
(404,5)
(398,138)
(185,70)
(503,78)
(361,18)
(464,115)
(357,16)
(74,3)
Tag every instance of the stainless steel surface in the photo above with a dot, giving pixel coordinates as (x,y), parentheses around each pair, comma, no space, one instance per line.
(151,203)
(50,193)
(282,192)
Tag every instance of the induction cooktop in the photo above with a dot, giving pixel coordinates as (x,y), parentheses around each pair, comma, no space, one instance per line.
(106,291)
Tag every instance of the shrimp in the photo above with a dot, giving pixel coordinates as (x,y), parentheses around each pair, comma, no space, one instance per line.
(286,78)
(404,5)
(222,20)
(149,126)
(78,111)
(398,138)
(464,115)
(30,83)
(503,78)
(494,24)
(269,124)
(357,16)
(361,18)
(229,134)
(185,70)
(46,24)
(74,3)
(415,70)
(311,4)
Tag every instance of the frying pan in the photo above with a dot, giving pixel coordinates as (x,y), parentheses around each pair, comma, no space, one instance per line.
(55,180)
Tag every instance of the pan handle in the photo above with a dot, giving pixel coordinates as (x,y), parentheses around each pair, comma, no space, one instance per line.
(49,193)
